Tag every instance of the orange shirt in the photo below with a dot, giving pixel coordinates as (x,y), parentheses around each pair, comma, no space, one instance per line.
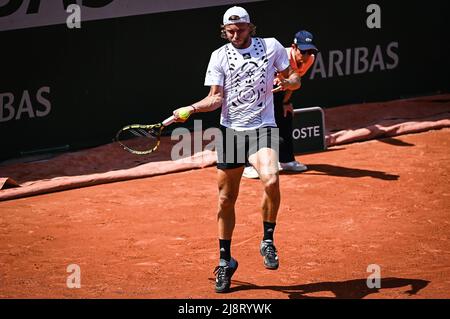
(300,70)
(304,67)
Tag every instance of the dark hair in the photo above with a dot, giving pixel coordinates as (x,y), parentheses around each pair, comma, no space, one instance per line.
(223,34)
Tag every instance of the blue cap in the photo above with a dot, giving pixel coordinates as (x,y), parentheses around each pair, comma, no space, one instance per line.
(304,40)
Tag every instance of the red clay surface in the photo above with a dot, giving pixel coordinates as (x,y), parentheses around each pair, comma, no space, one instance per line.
(384,202)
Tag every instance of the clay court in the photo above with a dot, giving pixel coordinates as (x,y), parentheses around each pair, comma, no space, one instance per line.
(383,202)
(372,124)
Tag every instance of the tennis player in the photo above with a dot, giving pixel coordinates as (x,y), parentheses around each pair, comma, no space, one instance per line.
(240,75)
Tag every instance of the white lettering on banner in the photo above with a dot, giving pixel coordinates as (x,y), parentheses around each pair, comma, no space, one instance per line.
(318,67)
(335,64)
(361,55)
(43,101)
(6,107)
(27,105)
(355,61)
(348,61)
(19,14)
(392,55)
(306,132)
(377,59)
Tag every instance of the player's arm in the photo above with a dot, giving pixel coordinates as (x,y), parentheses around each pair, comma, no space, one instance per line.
(290,81)
(287,105)
(210,103)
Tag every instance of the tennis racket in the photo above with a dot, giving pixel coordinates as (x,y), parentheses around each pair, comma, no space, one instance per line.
(142,139)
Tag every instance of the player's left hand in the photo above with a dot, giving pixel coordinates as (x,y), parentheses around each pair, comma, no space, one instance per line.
(282,86)
(288,108)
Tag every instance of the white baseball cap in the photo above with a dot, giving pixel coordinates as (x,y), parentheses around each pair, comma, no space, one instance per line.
(239,12)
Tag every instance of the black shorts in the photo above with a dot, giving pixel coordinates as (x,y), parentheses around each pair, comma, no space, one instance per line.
(237,146)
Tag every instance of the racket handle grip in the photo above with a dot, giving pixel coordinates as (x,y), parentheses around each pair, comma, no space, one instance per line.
(168,121)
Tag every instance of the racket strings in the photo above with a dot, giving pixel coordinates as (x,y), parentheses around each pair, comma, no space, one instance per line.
(143,133)
(140,140)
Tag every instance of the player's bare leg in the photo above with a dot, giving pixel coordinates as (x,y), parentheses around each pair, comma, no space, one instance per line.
(228,182)
(265,162)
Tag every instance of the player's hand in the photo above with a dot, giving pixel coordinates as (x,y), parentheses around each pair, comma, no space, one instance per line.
(276,81)
(283,85)
(182,114)
(288,108)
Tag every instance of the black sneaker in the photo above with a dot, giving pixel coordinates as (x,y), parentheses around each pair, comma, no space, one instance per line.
(223,273)
(269,252)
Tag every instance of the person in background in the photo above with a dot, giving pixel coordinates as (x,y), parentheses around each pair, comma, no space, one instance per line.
(301,55)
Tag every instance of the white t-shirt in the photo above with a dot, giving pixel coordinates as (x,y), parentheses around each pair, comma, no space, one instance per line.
(246,76)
